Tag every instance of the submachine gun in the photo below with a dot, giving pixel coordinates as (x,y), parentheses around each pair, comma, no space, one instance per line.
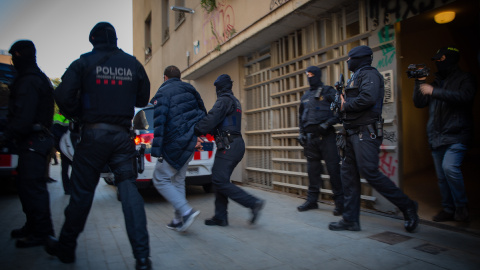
(337,103)
(335,106)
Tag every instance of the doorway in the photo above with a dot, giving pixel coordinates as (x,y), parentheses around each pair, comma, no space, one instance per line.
(418,39)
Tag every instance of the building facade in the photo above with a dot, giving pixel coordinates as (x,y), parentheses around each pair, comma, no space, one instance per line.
(266,45)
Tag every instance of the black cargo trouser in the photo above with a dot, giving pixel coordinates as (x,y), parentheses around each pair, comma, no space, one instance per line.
(361,158)
(225,162)
(320,147)
(34,153)
(97,148)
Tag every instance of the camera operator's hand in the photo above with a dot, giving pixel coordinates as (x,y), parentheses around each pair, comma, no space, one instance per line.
(426,89)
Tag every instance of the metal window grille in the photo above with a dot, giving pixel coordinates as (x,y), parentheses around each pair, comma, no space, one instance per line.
(274,84)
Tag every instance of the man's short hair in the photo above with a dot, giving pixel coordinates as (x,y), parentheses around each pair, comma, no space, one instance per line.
(172,72)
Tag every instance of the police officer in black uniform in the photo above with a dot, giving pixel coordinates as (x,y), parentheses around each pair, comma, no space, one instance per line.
(29,120)
(362,119)
(317,136)
(99,92)
(224,121)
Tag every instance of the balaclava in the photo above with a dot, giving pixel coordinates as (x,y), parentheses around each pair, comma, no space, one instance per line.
(23,55)
(316,80)
(359,57)
(452,56)
(223,84)
(103,33)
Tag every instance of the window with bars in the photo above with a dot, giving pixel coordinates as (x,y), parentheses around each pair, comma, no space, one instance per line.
(275,81)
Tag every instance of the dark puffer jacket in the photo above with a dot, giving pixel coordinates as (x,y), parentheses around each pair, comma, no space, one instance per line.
(178,107)
(450,108)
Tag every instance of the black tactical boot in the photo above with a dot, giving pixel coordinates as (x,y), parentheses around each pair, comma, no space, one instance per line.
(143,264)
(343,225)
(411,217)
(53,248)
(308,205)
(257,207)
(216,222)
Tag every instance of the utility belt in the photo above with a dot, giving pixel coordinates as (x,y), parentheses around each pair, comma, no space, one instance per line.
(319,133)
(223,139)
(112,127)
(375,130)
(105,126)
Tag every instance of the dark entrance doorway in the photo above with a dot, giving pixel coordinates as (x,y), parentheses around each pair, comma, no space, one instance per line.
(418,40)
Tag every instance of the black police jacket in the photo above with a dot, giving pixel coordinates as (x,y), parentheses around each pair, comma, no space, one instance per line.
(31,102)
(364,98)
(226,114)
(450,108)
(315,108)
(103,86)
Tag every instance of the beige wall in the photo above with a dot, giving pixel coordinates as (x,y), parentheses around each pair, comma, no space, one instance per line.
(273,85)
(6,59)
(230,16)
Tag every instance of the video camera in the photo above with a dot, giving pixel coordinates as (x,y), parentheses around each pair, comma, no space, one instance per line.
(417,71)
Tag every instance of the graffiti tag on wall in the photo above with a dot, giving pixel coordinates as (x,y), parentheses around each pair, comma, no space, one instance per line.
(388,165)
(389,136)
(386,34)
(218,26)
(387,12)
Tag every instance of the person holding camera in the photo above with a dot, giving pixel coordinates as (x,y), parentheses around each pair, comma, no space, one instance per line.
(361,110)
(449,128)
(317,136)
(224,120)
(99,91)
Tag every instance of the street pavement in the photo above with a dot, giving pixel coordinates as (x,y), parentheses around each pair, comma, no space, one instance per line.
(283,238)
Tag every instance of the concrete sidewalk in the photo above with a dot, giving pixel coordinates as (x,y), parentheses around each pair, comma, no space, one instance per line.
(283,238)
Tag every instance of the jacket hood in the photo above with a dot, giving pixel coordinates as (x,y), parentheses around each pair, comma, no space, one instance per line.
(103,33)
(23,55)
